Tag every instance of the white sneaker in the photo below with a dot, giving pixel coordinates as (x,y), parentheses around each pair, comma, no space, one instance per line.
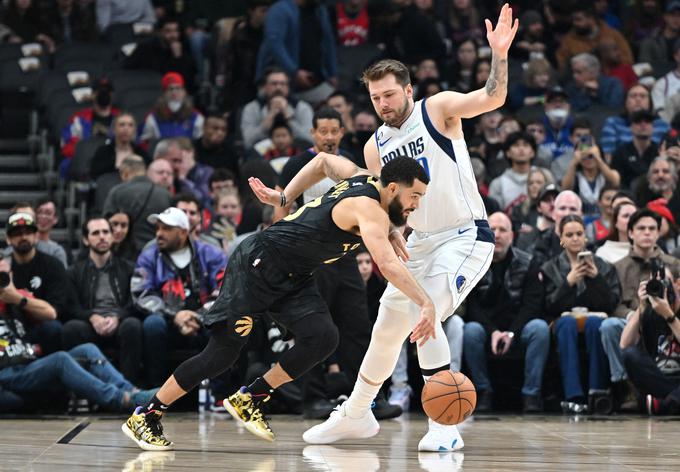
(401,396)
(441,438)
(340,426)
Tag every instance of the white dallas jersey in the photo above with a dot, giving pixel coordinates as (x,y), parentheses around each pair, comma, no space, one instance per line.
(452,199)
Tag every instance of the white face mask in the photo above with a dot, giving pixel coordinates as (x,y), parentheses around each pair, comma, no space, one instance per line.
(557,116)
(174,105)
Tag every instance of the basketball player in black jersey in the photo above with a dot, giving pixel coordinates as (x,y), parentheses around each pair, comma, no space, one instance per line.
(271,272)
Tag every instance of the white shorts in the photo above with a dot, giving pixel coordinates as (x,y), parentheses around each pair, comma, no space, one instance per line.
(464,254)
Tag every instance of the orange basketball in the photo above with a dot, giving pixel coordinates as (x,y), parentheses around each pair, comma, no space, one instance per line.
(448,397)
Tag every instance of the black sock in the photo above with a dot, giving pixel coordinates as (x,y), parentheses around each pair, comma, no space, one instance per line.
(260,389)
(155,404)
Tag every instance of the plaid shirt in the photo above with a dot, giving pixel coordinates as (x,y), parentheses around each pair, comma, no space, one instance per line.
(616,131)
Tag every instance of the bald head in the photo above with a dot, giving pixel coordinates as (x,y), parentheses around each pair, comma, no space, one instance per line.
(566,203)
(160,173)
(502,229)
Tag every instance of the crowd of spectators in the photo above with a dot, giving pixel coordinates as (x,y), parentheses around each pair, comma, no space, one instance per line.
(579,173)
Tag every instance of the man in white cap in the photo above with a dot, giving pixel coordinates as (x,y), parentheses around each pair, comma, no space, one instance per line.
(174,278)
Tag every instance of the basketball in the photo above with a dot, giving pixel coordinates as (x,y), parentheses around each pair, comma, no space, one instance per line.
(448,397)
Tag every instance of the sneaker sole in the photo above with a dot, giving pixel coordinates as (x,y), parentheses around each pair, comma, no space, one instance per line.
(142,444)
(329,439)
(253,429)
(442,448)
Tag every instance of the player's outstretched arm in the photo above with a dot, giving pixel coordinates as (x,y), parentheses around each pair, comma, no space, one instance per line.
(374,226)
(321,166)
(492,96)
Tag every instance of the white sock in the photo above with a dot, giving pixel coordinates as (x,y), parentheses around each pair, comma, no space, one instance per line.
(359,402)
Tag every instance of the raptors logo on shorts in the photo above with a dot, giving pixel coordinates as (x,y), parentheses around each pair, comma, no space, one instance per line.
(244,326)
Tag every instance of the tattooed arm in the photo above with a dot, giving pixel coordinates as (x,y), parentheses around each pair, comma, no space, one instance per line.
(492,96)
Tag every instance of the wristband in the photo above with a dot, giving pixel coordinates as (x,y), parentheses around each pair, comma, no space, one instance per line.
(283,200)
(670,319)
(23,302)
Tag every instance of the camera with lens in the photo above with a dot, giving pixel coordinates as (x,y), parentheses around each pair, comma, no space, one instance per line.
(658,285)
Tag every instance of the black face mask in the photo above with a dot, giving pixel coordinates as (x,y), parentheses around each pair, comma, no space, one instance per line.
(363,136)
(103,98)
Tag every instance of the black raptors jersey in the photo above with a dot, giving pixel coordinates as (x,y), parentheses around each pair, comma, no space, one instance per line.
(309,237)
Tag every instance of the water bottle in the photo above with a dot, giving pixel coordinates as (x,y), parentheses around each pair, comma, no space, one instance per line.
(204,395)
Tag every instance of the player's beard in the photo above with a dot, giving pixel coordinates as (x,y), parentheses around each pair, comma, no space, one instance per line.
(399,115)
(395,211)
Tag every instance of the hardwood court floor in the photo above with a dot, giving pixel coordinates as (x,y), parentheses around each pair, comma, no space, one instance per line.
(212,442)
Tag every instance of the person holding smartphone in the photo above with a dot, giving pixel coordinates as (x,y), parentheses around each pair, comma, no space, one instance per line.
(577,278)
(588,173)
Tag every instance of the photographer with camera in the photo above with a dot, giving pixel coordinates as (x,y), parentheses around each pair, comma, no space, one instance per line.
(650,342)
(644,255)
(577,278)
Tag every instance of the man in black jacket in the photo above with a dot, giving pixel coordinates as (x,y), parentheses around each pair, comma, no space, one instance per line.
(166,53)
(506,303)
(102,310)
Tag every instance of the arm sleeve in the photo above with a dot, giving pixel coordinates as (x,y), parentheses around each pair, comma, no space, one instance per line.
(608,136)
(274,40)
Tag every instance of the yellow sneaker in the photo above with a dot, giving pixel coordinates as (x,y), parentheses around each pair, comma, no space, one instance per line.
(240,405)
(146,430)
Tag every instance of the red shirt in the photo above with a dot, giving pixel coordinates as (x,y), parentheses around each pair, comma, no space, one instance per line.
(351,31)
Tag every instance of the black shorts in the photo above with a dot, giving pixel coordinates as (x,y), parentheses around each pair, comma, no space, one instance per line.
(256,283)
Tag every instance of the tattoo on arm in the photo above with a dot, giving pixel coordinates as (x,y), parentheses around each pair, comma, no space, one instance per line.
(333,173)
(497,83)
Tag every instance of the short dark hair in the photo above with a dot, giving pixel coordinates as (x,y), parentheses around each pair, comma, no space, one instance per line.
(584,7)
(280,121)
(643,213)
(625,194)
(186,197)
(325,113)
(581,123)
(85,230)
(220,115)
(384,68)
(349,99)
(272,70)
(403,170)
(607,188)
(513,138)
(571,218)
(219,175)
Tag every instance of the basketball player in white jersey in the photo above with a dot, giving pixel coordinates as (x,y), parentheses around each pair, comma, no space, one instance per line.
(451,246)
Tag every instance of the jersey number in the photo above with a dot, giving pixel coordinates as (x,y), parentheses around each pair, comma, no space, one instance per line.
(313,204)
(423,162)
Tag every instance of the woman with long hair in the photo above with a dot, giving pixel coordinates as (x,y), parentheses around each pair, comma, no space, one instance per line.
(529,213)
(617,245)
(121,230)
(578,284)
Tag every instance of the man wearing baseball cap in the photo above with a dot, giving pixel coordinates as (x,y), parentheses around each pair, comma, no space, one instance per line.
(174,114)
(37,283)
(174,279)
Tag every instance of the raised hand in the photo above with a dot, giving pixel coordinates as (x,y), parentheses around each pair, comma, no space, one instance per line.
(266,195)
(501,38)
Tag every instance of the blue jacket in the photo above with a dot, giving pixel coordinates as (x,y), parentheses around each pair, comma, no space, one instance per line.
(609,94)
(281,42)
(156,286)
